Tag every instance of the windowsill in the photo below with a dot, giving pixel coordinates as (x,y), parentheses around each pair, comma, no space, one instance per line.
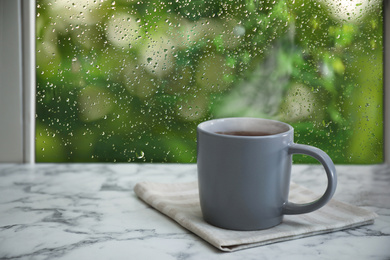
(84,211)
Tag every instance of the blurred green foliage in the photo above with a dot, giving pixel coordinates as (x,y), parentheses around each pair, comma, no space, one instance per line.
(121,81)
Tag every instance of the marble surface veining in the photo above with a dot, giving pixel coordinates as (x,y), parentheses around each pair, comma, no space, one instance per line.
(89,211)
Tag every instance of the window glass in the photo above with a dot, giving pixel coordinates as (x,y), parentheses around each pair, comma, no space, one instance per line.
(129,80)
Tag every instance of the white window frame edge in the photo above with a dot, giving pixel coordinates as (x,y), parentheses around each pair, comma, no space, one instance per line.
(29,80)
(386,81)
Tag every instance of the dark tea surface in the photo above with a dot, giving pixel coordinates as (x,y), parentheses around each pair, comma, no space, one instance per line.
(245,133)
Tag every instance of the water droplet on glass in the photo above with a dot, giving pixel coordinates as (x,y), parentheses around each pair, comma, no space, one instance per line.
(140,155)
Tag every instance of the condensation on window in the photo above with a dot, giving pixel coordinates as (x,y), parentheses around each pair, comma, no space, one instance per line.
(129,80)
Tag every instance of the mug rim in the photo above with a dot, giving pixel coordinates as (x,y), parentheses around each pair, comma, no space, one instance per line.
(201,127)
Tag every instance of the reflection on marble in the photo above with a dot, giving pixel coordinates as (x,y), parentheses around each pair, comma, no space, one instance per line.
(89,211)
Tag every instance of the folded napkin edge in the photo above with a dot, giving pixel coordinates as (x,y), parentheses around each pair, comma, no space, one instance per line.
(237,247)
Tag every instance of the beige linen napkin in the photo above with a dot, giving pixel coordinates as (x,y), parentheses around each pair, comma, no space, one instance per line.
(180,202)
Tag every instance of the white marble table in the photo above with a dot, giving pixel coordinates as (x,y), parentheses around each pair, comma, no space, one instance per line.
(89,211)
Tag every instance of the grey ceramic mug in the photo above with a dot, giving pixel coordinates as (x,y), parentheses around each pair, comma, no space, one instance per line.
(244,180)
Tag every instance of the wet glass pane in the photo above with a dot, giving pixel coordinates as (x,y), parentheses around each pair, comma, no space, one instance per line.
(128,81)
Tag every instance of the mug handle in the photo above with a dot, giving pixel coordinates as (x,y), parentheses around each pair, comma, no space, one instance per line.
(290,208)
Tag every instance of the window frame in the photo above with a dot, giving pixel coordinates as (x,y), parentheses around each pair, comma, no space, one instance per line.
(10,75)
(27,83)
(17,81)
